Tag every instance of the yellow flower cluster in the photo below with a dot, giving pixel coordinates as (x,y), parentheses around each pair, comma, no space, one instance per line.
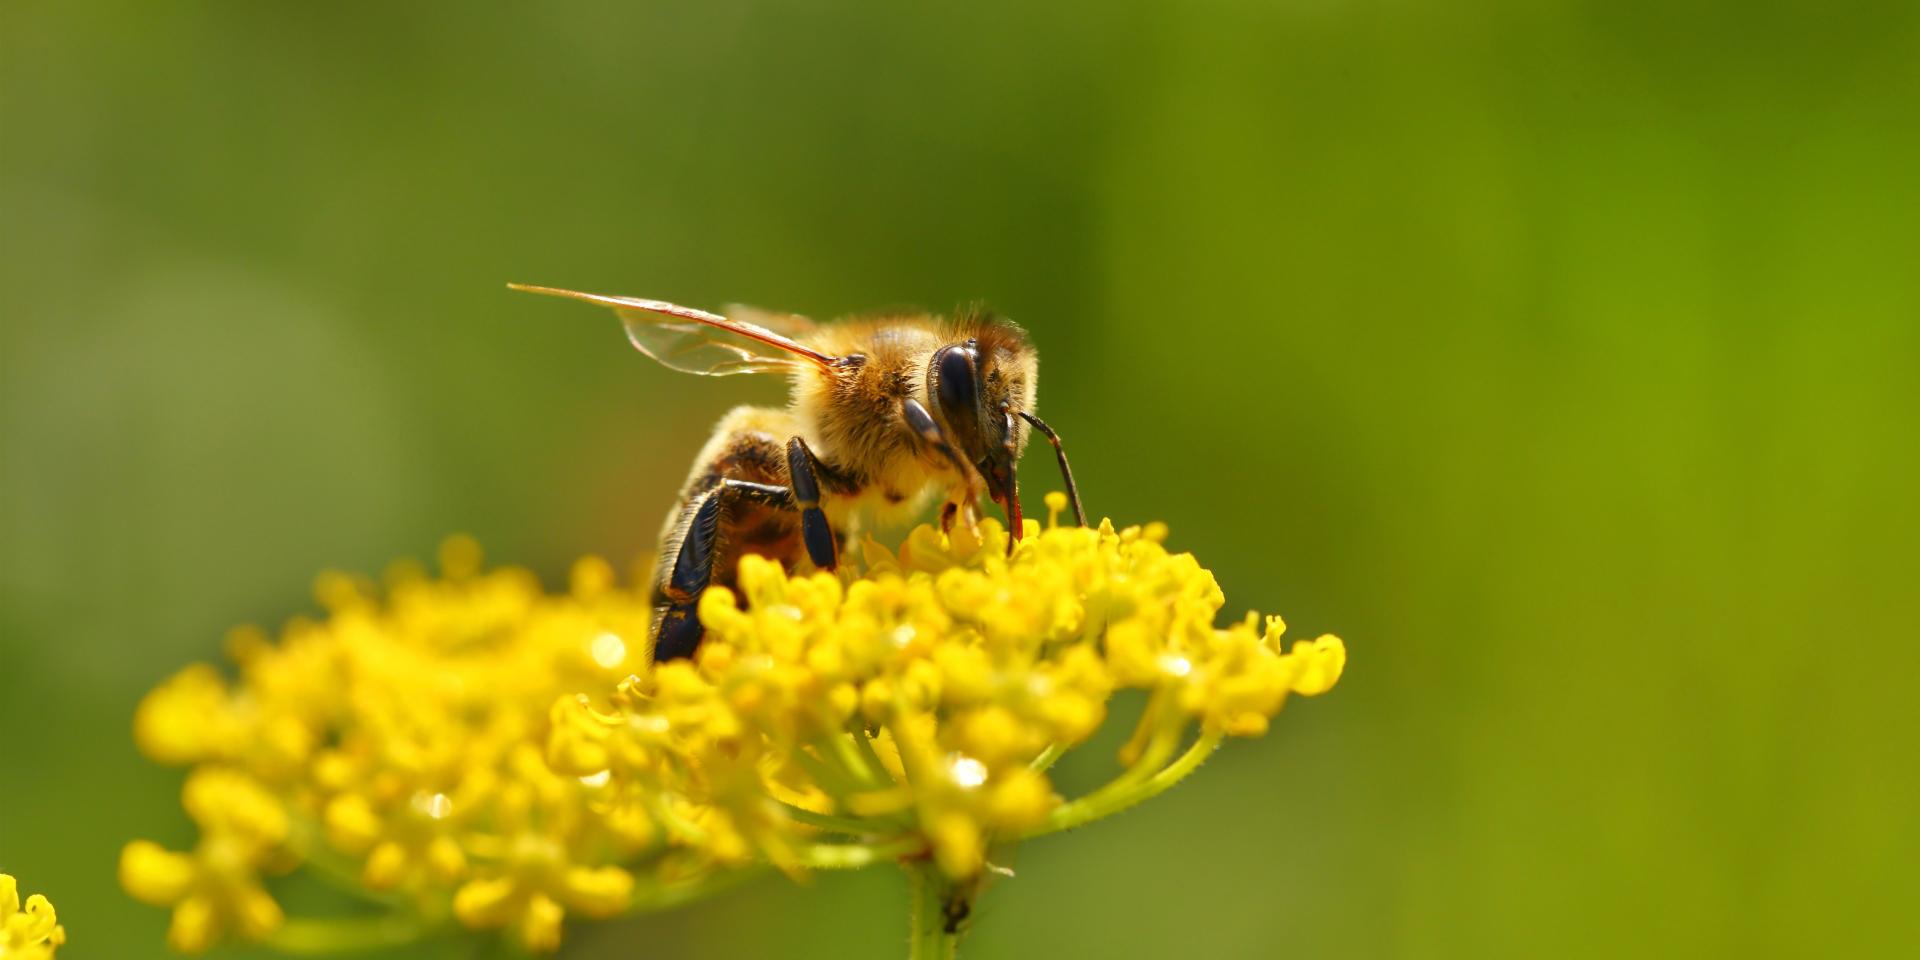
(922,702)
(472,750)
(30,932)
(395,745)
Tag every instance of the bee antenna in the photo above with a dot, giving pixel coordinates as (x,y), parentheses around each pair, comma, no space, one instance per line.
(1066,472)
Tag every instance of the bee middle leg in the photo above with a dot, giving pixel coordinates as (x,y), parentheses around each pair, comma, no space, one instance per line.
(823,547)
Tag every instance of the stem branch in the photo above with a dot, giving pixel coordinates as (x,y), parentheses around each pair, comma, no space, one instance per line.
(1127,790)
(303,936)
(851,826)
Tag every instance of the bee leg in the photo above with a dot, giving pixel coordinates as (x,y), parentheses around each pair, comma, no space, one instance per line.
(823,547)
(680,628)
(961,510)
(1066,472)
(922,424)
(680,633)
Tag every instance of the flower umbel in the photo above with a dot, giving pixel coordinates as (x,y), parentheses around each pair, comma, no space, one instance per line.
(471,751)
(29,931)
(393,748)
(917,706)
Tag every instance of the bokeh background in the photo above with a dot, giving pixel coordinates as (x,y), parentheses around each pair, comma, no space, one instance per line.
(1563,357)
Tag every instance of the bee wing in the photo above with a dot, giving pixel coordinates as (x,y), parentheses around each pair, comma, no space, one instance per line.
(693,347)
(779,321)
(695,341)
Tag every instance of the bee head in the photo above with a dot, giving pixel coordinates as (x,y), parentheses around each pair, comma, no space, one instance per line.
(979,386)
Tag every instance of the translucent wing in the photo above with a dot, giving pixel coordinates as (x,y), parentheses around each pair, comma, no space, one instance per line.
(695,341)
(693,347)
(779,321)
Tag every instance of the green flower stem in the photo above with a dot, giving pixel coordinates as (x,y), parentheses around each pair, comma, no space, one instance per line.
(827,769)
(864,744)
(1152,748)
(851,826)
(852,856)
(1155,718)
(683,892)
(844,748)
(1048,757)
(1127,790)
(932,894)
(321,936)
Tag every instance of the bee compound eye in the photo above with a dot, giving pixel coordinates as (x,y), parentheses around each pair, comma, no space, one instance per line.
(956,388)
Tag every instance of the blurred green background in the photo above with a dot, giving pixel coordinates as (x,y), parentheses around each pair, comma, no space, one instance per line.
(1564,358)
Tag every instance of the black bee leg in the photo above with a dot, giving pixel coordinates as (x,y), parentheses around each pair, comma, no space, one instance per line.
(680,629)
(823,548)
(947,515)
(922,423)
(1066,472)
(680,633)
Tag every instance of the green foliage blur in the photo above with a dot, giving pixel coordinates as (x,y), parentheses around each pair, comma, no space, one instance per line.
(1562,357)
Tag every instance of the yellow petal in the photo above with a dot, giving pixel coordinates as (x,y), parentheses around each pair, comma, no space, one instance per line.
(1325,658)
(38,924)
(255,914)
(601,892)
(957,845)
(591,576)
(386,866)
(185,719)
(541,929)
(352,826)
(194,926)
(153,874)
(1019,798)
(485,903)
(446,859)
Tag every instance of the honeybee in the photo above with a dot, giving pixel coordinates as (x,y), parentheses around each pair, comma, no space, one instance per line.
(886,412)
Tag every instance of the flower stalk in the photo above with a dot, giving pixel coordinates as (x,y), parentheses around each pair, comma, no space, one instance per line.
(938,914)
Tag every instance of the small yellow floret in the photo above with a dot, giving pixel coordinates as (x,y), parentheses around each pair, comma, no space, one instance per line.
(30,931)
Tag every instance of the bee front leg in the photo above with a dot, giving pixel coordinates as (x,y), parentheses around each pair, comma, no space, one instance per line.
(823,548)
(680,629)
(923,426)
